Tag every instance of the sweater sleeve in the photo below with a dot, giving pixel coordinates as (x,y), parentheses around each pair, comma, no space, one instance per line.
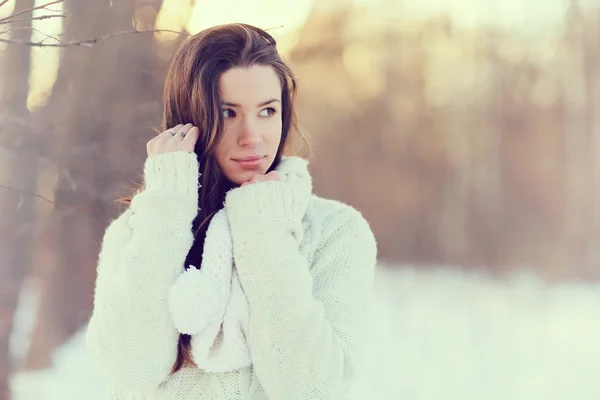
(305,324)
(131,332)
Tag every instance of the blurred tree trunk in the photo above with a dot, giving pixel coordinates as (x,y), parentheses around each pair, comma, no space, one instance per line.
(489,205)
(576,144)
(453,232)
(103,103)
(18,172)
(591,62)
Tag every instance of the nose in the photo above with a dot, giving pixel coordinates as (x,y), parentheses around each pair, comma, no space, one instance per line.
(249,134)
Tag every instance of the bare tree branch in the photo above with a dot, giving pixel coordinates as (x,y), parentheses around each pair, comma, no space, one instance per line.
(12,21)
(62,14)
(56,11)
(47,36)
(43,6)
(72,208)
(29,193)
(87,43)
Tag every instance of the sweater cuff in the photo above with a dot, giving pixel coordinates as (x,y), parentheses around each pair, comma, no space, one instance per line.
(275,199)
(174,172)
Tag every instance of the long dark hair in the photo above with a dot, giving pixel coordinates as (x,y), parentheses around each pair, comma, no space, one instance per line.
(191,95)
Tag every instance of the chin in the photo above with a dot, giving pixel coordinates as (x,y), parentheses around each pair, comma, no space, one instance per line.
(239,177)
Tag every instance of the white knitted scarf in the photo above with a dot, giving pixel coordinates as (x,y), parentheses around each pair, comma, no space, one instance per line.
(209,303)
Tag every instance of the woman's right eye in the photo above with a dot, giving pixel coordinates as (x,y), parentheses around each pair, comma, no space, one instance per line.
(228,113)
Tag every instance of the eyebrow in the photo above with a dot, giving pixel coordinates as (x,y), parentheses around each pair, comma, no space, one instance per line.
(264,103)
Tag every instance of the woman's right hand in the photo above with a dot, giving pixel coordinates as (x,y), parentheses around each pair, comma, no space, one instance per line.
(180,137)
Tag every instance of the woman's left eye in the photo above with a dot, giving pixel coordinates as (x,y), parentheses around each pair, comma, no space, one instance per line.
(267,112)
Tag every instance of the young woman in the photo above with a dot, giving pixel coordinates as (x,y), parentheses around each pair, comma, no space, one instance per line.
(226,278)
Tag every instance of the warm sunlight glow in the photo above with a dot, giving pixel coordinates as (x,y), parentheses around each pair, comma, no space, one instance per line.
(362,63)
(173,15)
(44,60)
(7,9)
(522,15)
(282,18)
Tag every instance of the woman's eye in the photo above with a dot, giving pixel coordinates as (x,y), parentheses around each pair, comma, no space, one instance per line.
(267,112)
(228,113)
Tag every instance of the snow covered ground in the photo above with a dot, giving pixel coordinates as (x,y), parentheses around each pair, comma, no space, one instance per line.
(435,334)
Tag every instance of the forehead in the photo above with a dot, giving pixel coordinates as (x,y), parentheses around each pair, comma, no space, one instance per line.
(249,86)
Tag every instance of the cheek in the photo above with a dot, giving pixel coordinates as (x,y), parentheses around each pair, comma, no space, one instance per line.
(225,142)
(221,152)
(274,131)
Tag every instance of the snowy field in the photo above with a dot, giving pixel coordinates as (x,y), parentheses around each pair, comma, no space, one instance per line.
(437,334)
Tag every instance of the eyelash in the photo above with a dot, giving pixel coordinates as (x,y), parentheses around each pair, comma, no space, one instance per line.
(272,112)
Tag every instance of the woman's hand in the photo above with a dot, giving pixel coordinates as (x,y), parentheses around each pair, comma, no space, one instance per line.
(271,176)
(180,137)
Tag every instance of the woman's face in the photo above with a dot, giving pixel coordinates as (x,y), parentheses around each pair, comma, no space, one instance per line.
(251,102)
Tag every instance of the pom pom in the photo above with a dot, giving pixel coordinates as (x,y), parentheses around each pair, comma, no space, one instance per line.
(196,301)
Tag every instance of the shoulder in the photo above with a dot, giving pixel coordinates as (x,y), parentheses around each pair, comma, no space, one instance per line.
(330,212)
(340,222)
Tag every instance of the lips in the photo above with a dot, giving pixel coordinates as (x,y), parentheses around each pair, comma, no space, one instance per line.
(249,162)
(249,158)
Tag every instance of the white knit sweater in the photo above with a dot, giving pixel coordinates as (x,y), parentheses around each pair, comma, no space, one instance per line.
(296,298)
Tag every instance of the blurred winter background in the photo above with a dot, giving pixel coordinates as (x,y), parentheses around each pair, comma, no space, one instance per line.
(467,132)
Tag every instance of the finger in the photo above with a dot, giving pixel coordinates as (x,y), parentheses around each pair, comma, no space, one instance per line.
(173,141)
(254,179)
(249,182)
(156,143)
(150,148)
(164,137)
(190,139)
(178,136)
(184,130)
(273,176)
(171,131)
(164,133)
(176,133)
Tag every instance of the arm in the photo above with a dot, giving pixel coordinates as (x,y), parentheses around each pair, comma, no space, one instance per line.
(131,331)
(305,320)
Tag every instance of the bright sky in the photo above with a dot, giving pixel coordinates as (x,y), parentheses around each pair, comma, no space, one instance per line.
(287,15)
(283,16)
(44,61)
(522,15)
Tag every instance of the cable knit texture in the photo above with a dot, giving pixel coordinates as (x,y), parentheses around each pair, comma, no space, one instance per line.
(211,284)
(276,311)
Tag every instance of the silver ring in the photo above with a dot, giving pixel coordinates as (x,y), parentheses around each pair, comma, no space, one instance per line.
(182,133)
(172,133)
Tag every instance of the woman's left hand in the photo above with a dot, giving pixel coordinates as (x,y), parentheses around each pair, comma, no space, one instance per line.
(271,176)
